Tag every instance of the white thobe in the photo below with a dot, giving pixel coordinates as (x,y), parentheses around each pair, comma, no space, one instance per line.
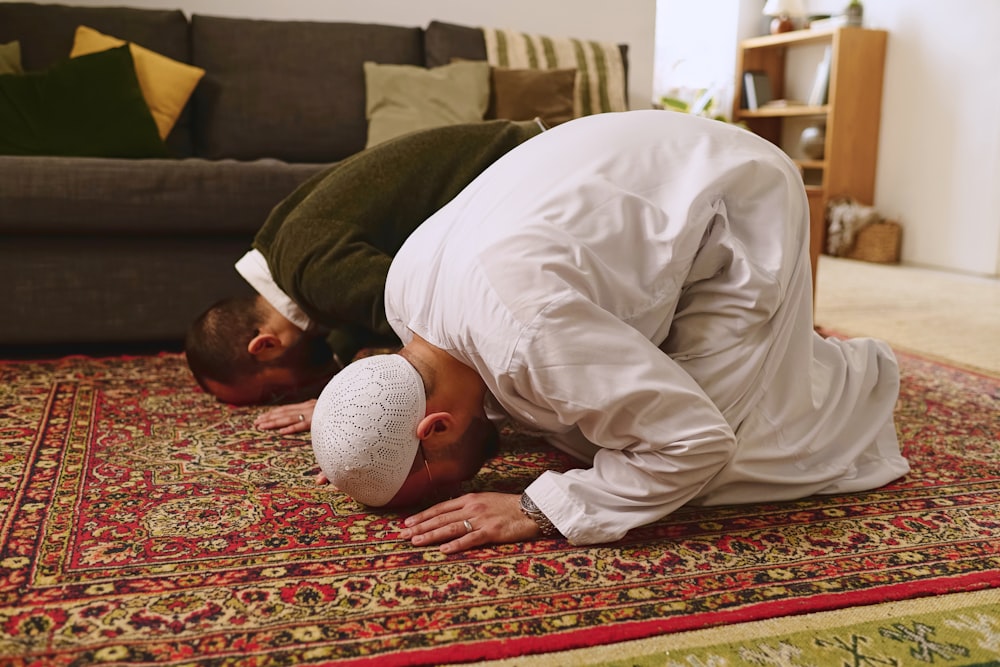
(637,286)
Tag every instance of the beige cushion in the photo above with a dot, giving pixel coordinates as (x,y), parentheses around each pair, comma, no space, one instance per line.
(405,98)
(166,84)
(10,58)
(524,94)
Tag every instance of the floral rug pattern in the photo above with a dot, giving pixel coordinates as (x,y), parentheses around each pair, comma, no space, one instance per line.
(142,521)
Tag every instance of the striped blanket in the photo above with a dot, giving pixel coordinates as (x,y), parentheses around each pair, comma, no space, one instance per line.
(600,69)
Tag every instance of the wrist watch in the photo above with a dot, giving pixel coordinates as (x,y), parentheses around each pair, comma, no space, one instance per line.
(530,510)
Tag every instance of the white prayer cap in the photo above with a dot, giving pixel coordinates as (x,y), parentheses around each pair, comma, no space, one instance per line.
(364,427)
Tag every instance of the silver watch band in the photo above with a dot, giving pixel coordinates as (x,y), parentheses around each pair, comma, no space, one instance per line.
(530,509)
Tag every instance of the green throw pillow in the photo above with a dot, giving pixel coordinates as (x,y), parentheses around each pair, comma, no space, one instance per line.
(10,58)
(86,106)
(406,98)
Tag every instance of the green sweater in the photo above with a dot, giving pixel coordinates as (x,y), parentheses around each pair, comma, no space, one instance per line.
(329,244)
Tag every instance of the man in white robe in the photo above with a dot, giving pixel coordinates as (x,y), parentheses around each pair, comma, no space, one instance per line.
(636,286)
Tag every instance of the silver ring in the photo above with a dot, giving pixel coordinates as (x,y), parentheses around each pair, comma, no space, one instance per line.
(468,525)
(302,417)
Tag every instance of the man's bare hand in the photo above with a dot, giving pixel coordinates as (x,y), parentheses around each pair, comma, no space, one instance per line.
(494,518)
(287,419)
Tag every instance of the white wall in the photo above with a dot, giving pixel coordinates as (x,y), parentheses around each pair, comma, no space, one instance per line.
(939,166)
(623,21)
(939,151)
(696,45)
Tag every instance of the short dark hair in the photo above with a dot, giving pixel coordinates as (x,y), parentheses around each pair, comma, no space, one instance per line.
(216,342)
(480,435)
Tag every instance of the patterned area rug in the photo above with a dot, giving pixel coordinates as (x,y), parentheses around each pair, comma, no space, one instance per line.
(959,630)
(142,522)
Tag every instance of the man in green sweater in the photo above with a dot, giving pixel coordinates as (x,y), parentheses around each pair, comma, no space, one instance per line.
(319,265)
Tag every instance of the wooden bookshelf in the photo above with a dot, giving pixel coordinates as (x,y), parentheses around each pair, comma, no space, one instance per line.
(852,112)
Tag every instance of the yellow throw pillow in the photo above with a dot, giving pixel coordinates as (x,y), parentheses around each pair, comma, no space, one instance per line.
(166,84)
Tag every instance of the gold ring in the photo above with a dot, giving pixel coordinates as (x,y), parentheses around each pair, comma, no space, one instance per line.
(468,525)
(302,417)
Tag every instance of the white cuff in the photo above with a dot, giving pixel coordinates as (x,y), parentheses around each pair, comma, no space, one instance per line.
(253,267)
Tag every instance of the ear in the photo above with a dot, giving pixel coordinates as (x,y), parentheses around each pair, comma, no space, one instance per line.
(435,425)
(265,346)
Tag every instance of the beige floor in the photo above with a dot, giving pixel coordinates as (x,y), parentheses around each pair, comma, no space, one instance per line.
(947,316)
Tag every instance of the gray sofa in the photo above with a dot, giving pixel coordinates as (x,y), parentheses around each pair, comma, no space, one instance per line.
(101,250)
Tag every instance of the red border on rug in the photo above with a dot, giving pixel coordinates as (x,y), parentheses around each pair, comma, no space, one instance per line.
(591,637)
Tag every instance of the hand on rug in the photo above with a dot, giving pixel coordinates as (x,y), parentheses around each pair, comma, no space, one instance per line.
(469,521)
(288,419)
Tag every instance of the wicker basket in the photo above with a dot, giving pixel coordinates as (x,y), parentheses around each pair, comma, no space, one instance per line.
(877,242)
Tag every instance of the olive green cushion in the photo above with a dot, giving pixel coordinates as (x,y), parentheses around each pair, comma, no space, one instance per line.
(10,58)
(89,106)
(404,98)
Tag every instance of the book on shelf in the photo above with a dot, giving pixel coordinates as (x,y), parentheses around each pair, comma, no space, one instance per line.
(756,89)
(821,84)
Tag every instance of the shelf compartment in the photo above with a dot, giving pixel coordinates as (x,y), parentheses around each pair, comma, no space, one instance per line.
(811,164)
(791,111)
(793,37)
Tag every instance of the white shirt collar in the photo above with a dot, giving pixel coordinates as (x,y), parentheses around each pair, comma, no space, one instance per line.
(253,267)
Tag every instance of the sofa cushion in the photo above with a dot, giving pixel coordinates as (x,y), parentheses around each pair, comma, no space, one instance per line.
(95,197)
(405,98)
(88,106)
(292,90)
(444,42)
(46,36)
(10,58)
(166,83)
(523,94)
(600,69)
